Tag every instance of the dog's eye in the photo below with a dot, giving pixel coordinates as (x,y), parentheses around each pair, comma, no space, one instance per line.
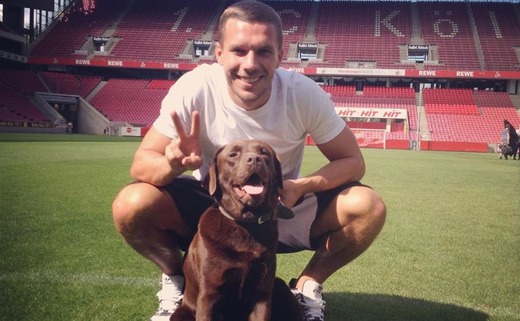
(264,152)
(233,154)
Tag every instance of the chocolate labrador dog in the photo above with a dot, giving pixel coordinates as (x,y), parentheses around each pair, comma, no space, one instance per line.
(230,265)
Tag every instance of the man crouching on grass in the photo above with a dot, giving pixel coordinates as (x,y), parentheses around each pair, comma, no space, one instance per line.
(246,96)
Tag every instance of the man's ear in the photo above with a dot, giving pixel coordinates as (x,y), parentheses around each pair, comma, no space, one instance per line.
(218,52)
(280,57)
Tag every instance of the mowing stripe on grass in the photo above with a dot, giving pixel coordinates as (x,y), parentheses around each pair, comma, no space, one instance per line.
(83,278)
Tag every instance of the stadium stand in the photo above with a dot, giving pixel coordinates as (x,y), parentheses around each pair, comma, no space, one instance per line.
(160,84)
(498,34)
(360,35)
(379,97)
(68,35)
(18,108)
(347,29)
(353,33)
(15,89)
(484,126)
(22,82)
(395,98)
(129,100)
(11,106)
(63,83)
(495,107)
(158,30)
(295,18)
(446,25)
(340,94)
(450,101)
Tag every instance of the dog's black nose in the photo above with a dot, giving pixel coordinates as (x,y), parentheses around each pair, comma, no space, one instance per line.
(252,158)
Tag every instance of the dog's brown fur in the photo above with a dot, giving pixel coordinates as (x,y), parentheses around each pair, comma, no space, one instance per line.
(231,263)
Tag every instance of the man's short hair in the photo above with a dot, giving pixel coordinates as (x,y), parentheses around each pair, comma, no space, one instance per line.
(252,11)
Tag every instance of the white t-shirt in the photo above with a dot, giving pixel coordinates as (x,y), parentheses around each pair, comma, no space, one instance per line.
(297,107)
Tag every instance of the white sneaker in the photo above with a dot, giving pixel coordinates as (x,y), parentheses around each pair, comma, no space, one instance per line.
(170,297)
(310,300)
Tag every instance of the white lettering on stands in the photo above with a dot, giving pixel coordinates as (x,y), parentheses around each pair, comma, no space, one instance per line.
(180,16)
(372,113)
(346,112)
(438,22)
(298,70)
(170,66)
(496,26)
(294,14)
(82,62)
(115,63)
(368,113)
(418,47)
(427,73)
(392,114)
(465,74)
(386,22)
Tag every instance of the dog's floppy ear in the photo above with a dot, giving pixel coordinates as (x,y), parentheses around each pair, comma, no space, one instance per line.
(278,168)
(282,211)
(214,187)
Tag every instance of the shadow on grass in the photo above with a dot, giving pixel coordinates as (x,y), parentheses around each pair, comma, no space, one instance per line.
(377,307)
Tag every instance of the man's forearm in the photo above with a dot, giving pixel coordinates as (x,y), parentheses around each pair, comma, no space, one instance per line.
(152,167)
(333,175)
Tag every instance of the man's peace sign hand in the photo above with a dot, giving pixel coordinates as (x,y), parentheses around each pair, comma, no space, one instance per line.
(184,153)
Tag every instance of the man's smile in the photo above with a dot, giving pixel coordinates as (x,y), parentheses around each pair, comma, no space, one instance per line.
(248,79)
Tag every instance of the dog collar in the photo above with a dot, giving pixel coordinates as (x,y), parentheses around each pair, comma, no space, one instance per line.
(261,220)
(226,214)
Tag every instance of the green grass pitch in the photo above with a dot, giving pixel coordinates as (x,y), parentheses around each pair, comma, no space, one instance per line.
(450,249)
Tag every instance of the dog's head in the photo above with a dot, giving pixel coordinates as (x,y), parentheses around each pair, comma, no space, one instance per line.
(244,178)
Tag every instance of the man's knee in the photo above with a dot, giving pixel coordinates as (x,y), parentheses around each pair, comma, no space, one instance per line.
(358,210)
(365,204)
(377,207)
(132,203)
(141,206)
(125,206)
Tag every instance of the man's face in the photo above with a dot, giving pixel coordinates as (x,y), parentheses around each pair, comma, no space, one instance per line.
(250,54)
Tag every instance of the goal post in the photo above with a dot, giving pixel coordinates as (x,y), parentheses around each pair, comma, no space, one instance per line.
(370,138)
(373,126)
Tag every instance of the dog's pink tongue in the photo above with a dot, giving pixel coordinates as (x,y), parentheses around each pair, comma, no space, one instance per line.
(252,189)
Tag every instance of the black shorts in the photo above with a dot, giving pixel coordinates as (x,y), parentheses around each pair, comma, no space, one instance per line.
(192,200)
